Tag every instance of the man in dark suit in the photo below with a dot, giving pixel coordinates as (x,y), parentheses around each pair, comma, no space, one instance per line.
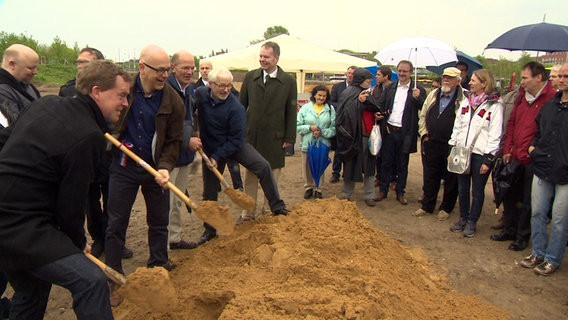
(400,102)
(336,91)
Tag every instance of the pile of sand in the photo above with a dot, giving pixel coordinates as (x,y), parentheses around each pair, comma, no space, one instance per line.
(323,261)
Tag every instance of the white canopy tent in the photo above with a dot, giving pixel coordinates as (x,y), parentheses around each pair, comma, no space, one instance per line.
(296,56)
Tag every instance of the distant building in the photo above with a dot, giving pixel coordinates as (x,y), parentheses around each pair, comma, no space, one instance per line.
(554,58)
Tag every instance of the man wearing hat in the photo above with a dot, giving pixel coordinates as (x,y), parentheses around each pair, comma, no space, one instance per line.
(435,124)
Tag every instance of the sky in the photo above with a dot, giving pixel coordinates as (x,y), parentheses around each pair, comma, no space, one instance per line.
(121,28)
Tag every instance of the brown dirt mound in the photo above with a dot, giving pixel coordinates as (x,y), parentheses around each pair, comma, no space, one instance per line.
(151,289)
(323,261)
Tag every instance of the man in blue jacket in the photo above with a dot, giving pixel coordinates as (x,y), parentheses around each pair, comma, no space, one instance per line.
(222,121)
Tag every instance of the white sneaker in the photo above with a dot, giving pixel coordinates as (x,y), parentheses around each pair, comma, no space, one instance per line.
(419,213)
(443,215)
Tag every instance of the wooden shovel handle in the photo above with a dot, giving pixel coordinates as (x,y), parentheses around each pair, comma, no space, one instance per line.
(112,274)
(209,165)
(149,168)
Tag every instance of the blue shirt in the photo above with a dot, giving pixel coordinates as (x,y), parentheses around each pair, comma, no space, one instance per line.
(445,100)
(141,122)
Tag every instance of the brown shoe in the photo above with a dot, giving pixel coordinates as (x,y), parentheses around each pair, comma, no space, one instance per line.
(380,197)
(402,199)
(115,298)
(545,269)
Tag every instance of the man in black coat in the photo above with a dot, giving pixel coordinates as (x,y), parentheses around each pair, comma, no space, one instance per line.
(400,102)
(336,92)
(46,166)
(19,67)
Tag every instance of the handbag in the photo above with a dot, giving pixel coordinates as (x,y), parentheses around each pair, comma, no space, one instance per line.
(375,140)
(460,156)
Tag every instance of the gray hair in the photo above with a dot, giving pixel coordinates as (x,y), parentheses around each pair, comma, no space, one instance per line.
(220,72)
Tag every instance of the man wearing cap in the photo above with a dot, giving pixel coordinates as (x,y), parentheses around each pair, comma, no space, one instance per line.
(436,120)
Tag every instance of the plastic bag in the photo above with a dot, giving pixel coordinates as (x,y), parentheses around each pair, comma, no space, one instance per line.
(375,140)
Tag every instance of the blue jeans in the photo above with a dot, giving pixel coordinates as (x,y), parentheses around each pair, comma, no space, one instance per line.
(76,273)
(475,180)
(541,196)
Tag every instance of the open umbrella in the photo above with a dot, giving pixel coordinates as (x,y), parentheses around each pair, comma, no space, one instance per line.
(318,159)
(421,51)
(542,36)
(472,64)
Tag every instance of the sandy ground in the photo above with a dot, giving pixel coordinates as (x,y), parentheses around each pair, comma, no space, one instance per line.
(476,266)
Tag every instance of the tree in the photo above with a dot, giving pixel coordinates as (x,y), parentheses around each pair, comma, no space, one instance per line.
(274,31)
(271,32)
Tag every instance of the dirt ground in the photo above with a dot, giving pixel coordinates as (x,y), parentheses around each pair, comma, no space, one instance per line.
(476,266)
(434,269)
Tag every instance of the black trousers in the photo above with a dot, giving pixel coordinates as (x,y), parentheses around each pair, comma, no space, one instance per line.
(123,188)
(434,167)
(517,204)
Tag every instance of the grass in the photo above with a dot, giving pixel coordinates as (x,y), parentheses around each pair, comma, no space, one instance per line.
(55,73)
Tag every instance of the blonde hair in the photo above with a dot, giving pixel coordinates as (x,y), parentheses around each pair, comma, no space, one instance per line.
(485,76)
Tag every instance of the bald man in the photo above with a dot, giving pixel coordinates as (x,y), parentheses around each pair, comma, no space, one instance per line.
(152,128)
(183,67)
(19,67)
(204,67)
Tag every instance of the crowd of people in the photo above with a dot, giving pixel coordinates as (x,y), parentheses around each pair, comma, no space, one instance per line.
(56,167)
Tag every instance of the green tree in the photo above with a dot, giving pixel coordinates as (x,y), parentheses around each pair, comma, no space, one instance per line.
(8,39)
(271,32)
(274,31)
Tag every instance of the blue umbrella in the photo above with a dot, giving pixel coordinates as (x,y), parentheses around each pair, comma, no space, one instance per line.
(472,64)
(318,159)
(543,36)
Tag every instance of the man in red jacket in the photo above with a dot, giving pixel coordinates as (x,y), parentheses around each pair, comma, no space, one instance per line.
(535,91)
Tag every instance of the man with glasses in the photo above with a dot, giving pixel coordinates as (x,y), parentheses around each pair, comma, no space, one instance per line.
(183,66)
(85,56)
(152,128)
(401,102)
(19,67)
(222,121)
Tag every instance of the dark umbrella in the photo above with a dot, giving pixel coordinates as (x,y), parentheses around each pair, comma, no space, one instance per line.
(318,159)
(472,64)
(542,36)
(503,177)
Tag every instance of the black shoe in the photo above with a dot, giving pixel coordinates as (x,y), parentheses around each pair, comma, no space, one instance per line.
(318,195)
(182,245)
(206,236)
(127,253)
(334,178)
(502,236)
(169,265)
(518,245)
(282,212)
(458,226)
(309,193)
(97,249)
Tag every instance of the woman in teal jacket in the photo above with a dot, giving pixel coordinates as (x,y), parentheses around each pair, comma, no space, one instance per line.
(316,121)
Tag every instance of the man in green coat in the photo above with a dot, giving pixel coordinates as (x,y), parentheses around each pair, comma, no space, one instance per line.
(269,95)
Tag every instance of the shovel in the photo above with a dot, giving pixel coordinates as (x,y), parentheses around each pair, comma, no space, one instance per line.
(241,199)
(217,216)
(112,274)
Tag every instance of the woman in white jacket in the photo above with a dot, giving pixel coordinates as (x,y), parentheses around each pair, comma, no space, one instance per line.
(472,118)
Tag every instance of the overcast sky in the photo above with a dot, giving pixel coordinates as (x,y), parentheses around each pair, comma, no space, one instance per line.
(120,28)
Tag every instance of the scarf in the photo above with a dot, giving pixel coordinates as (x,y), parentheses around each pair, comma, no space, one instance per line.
(476,100)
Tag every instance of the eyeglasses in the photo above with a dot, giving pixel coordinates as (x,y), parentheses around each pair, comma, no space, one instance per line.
(223,86)
(160,71)
(186,69)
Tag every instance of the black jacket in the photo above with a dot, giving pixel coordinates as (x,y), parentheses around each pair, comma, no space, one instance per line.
(14,96)
(46,166)
(336,92)
(409,117)
(550,156)
(68,89)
